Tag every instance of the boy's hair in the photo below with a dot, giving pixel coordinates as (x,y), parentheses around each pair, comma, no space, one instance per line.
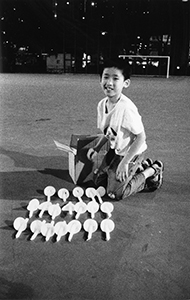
(118,63)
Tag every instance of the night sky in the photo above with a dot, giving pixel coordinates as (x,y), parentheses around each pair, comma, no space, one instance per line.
(73,26)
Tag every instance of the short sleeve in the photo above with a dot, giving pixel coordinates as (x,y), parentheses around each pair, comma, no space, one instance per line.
(100,114)
(132,120)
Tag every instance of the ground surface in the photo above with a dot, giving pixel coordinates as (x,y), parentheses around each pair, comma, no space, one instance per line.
(148,256)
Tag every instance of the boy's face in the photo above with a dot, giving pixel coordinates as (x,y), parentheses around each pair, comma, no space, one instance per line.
(113,82)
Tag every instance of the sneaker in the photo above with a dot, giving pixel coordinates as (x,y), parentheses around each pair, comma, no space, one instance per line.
(144,165)
(147,163)
(154,182)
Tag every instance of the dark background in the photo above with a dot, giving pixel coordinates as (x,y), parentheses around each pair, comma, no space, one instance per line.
(33,29)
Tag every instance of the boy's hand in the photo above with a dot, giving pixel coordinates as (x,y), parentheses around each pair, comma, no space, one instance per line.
(122,171)
(91,154)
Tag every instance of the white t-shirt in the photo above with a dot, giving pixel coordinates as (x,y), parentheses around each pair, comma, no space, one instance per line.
(121,124)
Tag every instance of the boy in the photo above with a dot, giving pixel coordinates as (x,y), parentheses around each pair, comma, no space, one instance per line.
(121,124)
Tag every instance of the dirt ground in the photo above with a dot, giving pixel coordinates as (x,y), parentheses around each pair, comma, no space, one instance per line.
(148,256)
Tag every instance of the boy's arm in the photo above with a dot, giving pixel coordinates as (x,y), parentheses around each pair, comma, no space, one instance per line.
(102,141)
(122,169)
(92,152)
(133,150)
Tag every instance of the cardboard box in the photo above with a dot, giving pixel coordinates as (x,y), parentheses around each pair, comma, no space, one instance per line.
(80,168)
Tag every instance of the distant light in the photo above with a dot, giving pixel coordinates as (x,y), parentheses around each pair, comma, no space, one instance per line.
(92,4)
(55,3)
(104,32)
(67,3)
(22,48)
(178,67)
(155,63)
(55,16)
(138,37)
(2,18)
(86,59)
(4,32)
(39,27)
(14,8)
(184,0)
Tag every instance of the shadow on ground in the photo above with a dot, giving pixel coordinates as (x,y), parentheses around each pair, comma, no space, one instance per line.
(18,185)
(12,291)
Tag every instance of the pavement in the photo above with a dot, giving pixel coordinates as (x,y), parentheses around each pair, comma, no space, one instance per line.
(147,256)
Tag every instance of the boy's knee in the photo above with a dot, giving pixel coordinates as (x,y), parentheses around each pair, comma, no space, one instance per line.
(115,188)
(127,191)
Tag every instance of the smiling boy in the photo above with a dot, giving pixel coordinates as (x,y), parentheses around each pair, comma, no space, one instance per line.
(121,124)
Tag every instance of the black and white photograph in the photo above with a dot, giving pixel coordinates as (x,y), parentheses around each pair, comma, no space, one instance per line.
(94,150)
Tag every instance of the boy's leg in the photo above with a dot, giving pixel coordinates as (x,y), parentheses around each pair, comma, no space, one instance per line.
(139,181)
(116,188)
(155,182)
(135,185)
